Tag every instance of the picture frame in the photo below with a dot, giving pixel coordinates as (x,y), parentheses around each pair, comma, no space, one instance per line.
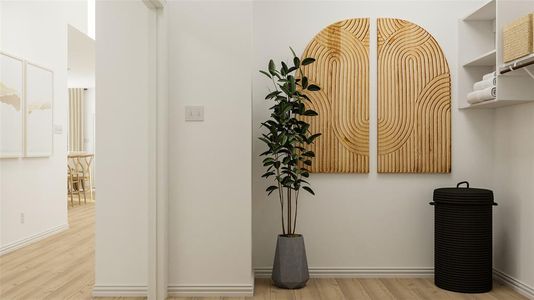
(39,116)
(12,106)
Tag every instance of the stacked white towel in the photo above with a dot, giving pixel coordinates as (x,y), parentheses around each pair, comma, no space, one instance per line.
(482,95)
(483,84)
(483,90)
(489,75)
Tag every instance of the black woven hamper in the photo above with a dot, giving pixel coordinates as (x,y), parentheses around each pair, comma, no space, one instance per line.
(463,239)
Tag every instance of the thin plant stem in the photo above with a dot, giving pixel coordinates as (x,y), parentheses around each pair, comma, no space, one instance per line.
(282,212)
(296,210)
(281,196)
(288,210)
(282,207)
(289,204)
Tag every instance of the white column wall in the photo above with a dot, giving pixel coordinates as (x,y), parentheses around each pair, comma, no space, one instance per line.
(210,55)
(125,100)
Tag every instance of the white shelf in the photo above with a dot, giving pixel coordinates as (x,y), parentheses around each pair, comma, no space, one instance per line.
(494,104)
(487,12)
(485,60)
(480,52)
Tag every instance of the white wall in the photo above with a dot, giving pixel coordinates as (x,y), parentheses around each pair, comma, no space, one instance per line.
(364,220)
(89,126)
(125,90)
(37,31)
(89,118)
(514,191)
(210,161)
(81,59)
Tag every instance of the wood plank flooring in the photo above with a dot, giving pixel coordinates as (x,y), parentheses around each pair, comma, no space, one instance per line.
(62,267)
(367,288)
(58,267)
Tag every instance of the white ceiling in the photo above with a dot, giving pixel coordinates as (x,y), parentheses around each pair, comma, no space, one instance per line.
(81,59)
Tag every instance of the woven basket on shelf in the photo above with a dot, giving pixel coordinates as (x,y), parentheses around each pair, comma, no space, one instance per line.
(518,38)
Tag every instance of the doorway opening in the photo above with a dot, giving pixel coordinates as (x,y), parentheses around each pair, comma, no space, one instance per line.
(81,119)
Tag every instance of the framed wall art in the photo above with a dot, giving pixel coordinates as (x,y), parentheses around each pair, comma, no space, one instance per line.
(11,106)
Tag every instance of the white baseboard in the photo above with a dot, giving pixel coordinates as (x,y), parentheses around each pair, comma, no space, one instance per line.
(32,239)
(119,291)
(207,290)
(247,290)
(515,284)
(318,272)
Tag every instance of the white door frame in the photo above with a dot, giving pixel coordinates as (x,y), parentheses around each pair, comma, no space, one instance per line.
(158,185)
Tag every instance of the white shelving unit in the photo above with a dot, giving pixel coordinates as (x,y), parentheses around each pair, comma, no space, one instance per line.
(480,52)
(487,59)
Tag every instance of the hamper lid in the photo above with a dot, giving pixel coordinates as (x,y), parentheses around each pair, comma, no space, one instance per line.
(463,195)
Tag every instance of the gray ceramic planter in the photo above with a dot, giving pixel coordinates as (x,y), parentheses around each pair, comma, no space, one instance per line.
(290,268)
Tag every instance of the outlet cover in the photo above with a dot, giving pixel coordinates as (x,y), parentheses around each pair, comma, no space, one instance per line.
(58,129)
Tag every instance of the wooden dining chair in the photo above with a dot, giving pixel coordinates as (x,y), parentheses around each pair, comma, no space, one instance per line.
(76,179)
(70,185)
(86,162)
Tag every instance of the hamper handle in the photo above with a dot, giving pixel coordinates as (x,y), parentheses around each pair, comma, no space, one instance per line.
(459,183)
(432,203)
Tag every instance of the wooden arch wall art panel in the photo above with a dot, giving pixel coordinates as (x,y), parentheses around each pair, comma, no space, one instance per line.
(341,70)
(414,100)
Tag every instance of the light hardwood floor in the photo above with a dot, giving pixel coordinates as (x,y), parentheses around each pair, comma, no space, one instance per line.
(62,267)
(370,288)
(58,267)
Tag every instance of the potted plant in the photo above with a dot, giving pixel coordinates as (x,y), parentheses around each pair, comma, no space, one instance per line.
(286,160)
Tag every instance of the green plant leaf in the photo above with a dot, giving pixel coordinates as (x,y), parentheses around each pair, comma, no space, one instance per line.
(292,85)
(309,154)
(296,61)
(307,61)
(272,94)
(284,69)
(304,128)
(266,74)
(285,89)
(303,181)
(283,139)
(266,175)
(268,159)
(313,88)
(269,163)
(265,153)
(305,97)
(309,190)
(313,137)
(266,141)
(271,189)
(272,67)
(310,112)
(304,82)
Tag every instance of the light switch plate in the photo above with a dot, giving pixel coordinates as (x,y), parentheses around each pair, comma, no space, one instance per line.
(194,113)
